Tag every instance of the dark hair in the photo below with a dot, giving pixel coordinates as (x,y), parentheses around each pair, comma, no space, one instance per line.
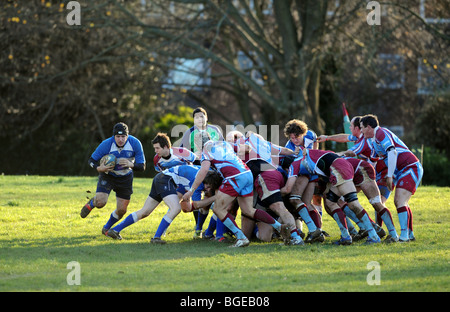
(120,129)
(370,120)
(214,179)
(163,140)
(199,110)
(356,121)
(296,127)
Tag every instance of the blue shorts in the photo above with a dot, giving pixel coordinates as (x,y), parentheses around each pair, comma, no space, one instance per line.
(240,185)
(162,186)
(123,186)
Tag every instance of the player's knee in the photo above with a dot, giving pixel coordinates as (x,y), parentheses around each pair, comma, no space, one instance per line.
(295,200)
(100,203)
(332,197)
(351,197)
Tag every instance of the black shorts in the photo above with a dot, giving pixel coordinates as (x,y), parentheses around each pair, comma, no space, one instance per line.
(162,186)
(123,186)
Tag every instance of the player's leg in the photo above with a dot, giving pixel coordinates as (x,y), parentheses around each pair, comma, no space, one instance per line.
(101,196)
(401,199)
(287,218)
(348,190)
(296,199)
(370,189)
(333,209)
(220,209)
(148,207)
(173,203)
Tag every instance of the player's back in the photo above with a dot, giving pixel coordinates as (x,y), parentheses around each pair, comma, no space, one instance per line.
(222,156)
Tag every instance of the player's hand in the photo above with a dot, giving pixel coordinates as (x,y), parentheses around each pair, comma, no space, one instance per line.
(322,138)
(186,196)
(389,183)
(105,169)
(125,163)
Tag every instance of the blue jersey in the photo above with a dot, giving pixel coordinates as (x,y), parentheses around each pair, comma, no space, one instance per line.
(178,156)
(132,150)
(184,176)
(222,156)
(308,141)
(384,140)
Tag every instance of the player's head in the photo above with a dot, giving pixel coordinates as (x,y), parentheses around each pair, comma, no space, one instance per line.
(368,123)
(355,126)
(200,117)
(212,182)
(294,130)
(120,133)
(161,144)
(233,136)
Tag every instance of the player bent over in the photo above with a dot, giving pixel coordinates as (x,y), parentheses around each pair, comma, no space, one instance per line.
(364,179)
(340,175)
(238,182)
(167,186)
(129,157)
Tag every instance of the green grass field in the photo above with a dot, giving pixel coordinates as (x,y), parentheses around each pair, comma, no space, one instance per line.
(41,232)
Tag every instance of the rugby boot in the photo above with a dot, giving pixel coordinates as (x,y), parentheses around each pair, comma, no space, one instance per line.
(243,242)
(112,233)
(87,208)
(344,241)
(157,240)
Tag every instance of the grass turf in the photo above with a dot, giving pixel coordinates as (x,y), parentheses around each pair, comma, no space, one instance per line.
(41,232)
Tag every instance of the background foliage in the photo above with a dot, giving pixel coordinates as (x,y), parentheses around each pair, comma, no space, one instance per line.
(62,87)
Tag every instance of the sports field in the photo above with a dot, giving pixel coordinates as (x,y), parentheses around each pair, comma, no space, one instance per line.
(46,246)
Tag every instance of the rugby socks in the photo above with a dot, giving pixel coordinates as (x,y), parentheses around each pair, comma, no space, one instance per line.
(403,219)
(364,217)
(212,226)
(385,215)
(352,215)
(410,224)
(201,217)
(339,217)
(316,217)
(304,214)
(228,221)
(112,220)
(263,216)
(165,222)
(220,229)
(132,218)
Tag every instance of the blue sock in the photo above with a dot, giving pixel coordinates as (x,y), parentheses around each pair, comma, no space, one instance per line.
(132,218)
(351,214)
(339,217)
(201,220)
(212,226)
(350,226)
(304,214)
(369,227)
(220,228)
(403,219)
(112,220)
(165,222)
(236,231)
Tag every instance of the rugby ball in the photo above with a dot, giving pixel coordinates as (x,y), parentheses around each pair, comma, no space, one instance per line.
(108,160)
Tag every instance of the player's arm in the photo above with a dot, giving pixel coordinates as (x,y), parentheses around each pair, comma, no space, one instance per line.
(392,164)
(340,138)
(205,202)
(201,174)
(99,166)
(287,188)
